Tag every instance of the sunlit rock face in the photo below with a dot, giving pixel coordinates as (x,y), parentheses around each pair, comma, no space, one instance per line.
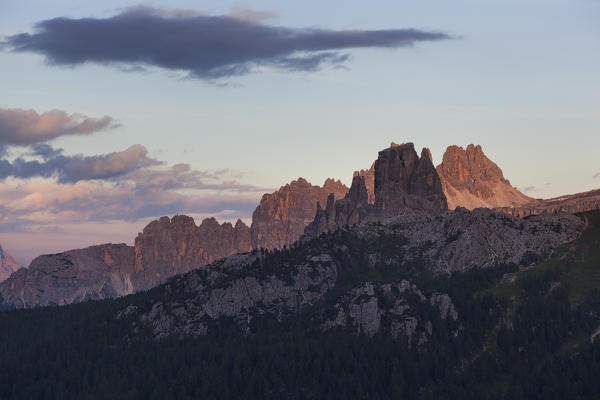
(170,246)
(280,218)
(166,247)
(472,180)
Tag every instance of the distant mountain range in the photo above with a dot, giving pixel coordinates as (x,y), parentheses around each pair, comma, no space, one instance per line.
(7,265)
(397,182)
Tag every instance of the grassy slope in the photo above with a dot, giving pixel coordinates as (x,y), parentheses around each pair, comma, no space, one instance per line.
(575,264)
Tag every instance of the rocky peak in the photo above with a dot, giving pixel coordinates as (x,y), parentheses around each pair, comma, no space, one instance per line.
(7,265)
(369,175)
(93,273)
(350,210)
(471,180)
(280,218)
(403,180)
(167,247)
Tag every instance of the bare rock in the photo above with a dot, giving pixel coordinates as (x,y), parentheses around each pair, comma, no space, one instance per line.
(351,210)
(7,265)
(463,239)
(168,247)
(403,180)
(369,175)
(574,203)
(280,218)
(472,180)
(93,273)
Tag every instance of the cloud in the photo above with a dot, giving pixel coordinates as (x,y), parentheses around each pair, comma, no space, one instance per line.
(204,46)
(529,189)
(78,167)
(24,127)
(123,185)
(597,175)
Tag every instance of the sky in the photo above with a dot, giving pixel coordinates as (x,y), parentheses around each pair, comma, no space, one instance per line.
(115,113)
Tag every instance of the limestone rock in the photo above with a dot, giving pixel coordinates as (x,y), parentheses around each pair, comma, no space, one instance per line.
(351,210)
(403,180)
(168,247)
(481,238)
(280,218)
(93,273)
(369,175)
(472,180)
(7,265)
(575,203)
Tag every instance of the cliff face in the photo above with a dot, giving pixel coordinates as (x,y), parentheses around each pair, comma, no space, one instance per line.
(96,272)
(168,247)
(472,180)
(350,210)
(369,175)
(280,218)
(165,248)
(7,265)
(403,180)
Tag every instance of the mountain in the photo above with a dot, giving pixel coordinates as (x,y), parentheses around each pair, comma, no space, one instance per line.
(247,286)
(166,247)
(574,203)
(280,218)
(353,209)
(472,180)
(7,265)
(369,175)
(365,312)
(93,273)
(403,180)
(399,184)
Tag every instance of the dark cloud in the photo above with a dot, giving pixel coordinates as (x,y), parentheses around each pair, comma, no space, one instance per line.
(76,168)
(529,189)
(597,175)
(24,127)
(207,47)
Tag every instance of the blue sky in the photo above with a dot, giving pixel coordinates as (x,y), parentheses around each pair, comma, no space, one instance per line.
(519,77)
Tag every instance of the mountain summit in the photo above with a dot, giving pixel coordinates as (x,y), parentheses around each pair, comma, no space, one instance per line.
(472,180)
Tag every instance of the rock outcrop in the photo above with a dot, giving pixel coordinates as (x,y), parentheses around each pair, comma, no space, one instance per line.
(7,265)
(403,180)
(369,175)
(574,203)
(280,218)
(472,180)
(93,273)
(171,246)
(334,282)
(351,210)
(166,247)
(481,238)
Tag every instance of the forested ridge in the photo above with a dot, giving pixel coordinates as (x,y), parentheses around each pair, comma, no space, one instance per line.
(525,333)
